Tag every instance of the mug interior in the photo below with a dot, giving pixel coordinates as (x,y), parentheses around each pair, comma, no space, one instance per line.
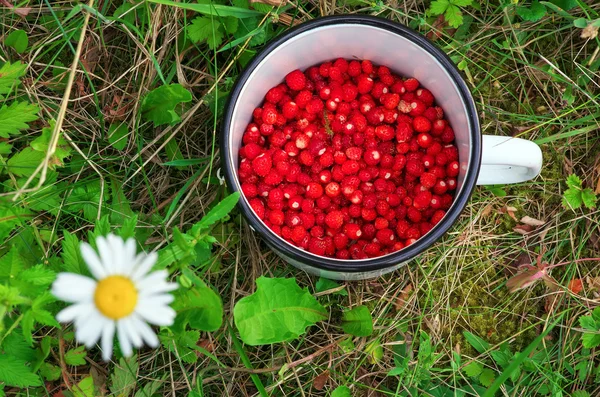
(382,46)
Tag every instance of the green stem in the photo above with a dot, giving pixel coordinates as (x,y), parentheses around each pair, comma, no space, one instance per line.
(246,361)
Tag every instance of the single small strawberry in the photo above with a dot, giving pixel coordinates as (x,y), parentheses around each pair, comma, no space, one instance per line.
(411,84)
(352,230)
(262,165)
(448,135)
(317,246)
(421,124)
(422,200)
(425,96)
(390,100)
(302,141)
(368,214)
(385,132)
(417,108)
(424,140)
(334,219)
(296,80)
(452,169)
(437,217)
(258,207)
(413,214)
(332,189)
(428,180)
(386,237)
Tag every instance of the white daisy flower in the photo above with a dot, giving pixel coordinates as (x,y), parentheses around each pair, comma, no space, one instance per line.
(122,297)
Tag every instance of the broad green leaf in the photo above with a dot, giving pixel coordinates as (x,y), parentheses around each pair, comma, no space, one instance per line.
(159,104)
(71,255)
(487,377)
(580,23)
(502,358)
(251,28)
(218,212)
(532,14)
(324,284)
(12,263)
(117,135)
(565,4)
(573,181)
(200,307)
(9,76)
(358,321)
(50,372)
(374,351)
(25,162)
(85,388)
(215,39)
(16,346)
(14,118)
(589,198)
(202,28)
(590,340)
(18,40)
(230,24)
(438,7)
(182,344)
(453,16)
(123,377)
(589,323)
(76,356)
(278,311)
(211,9)
(473,369)
(5,148)
(16,373)
(341,391)
(478,344)
(462,3)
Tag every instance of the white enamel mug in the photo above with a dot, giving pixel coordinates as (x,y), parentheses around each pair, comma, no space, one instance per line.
(484,160)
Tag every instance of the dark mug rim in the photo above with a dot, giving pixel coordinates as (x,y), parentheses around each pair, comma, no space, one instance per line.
(390,260)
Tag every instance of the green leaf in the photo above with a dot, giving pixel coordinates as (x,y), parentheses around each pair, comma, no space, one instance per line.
(438,7)
(25,162)
(580,23)
(580,393)
(38,275)
(453,16)
(230,24)
(201,28)
(18,40)
(76,356)
(532,14)
(278,311)
(159,104)
(462,3)
(16,373)
(487,377)
(573,181)
(218,212)
(565,4)
(123,378)
(71,255)
(16,346)
(9,76)
(117,135)
(200,307)
(502,358)
(341,391)
(572,199)
(590,340)
(473,369)
(12,263)
(215,39)
(10,218)
(42,143)
(5,148)
(50,372)
(374,351)
(478,344)
(85,388)
(150,388)
(589,323)
(182,344)
(27,326)
(14,118)
(211,9)
(589,198)
(324,284)
(358,321)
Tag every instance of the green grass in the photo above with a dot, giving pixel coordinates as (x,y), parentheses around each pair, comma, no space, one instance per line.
(536,80)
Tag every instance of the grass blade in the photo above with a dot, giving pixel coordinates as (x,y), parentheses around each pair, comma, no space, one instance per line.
(211,9)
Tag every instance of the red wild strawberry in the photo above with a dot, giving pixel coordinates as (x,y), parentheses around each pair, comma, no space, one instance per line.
(425,96)
(274,95)
(367,66)
(448,135)
(332,189)
(385,132)
(386,237)
(276,217)
(440,187)
(422,200)
(317,246)
(390,101)
(354,68)
(273,178)
(424,140)
(249,190)
(262,165)
(302,141)
(451,183)
(350,167)
(411,84)
(352,230)
(413,214)
(404,107)
(421,124)
(303,98)
(452,169)
(258,207)
(334,219)
(269,116)
(368,214)
(314,190)
(252,150)
(414,167)
(356,197)
(372,157)
(295,202)
(296,80)
(335,74)
(417,108)
(437,217)
(379,89)
(436,202)
(428,180)
(438,127)
(340,241)
(298,233)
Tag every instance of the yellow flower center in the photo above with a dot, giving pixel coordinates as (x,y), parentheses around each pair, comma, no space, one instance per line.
(115,297)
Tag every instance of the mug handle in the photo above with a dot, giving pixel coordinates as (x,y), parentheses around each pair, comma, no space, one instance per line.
(508,160)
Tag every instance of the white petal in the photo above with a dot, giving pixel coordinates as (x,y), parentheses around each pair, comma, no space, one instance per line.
(124,341)
(72,312)
(106,255)
(118,252)
(156,300)
(145,331)
(129,259)
(133,334)
(93,261)
(71,287)
(158,288)
(144,264)
(108,333)
(161,315)
(89,332)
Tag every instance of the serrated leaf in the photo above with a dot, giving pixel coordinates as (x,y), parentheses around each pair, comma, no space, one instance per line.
(27,326)
(358,321)
(25,162)
(589,198)
(159,104)
(473,369)
(201,28)
(438,7)
(182,345)
(16,346)
(580,393)
(5,148)
(278,311)
(462,3)
(14,118)
(534,13)
(42,143)
(150,388)
(16,373)
(230,24)
(502,358)
(341,391)
(10,218)
(50,372)
(12,263)
(572,199)
(85,388)
(478,344)
(38,275)
(573,181)
(453,16)
(590,340)
(215,39)
(71,255)
(589,323)
(123,377)
(200,307)
(218,212)
(117,135)
(9,76)
(18,40)
(487,377)
(76,356)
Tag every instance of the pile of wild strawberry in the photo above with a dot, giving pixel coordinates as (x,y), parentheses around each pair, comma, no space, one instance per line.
(348,160)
